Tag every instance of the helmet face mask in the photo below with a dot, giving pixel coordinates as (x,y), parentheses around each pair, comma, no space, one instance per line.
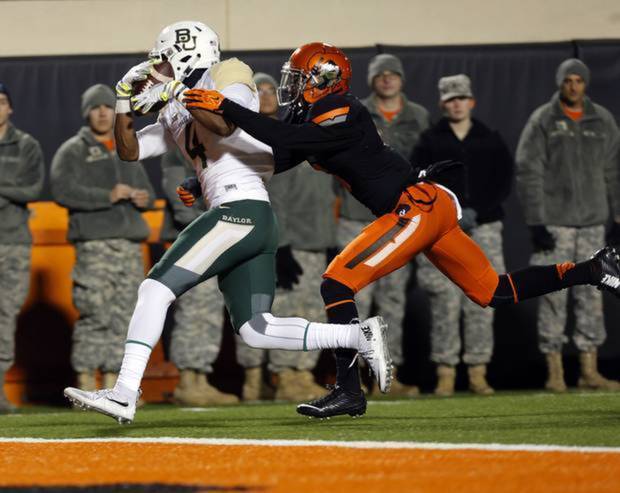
(187,45)
(291,86)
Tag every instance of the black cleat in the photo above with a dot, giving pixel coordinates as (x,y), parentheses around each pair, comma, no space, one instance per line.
(607,262)
(338,402)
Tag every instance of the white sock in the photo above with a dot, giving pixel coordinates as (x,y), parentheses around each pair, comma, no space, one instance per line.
(297,334)
(145,328)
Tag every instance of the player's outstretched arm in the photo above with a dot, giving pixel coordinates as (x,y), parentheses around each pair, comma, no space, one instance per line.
(306,137)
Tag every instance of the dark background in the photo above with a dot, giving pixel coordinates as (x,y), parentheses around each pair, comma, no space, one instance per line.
(509,82)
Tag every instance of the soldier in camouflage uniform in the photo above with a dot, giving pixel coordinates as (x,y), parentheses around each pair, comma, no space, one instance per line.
(21,181)
(303,203)
(105,198)
(400,123)
(481,186)
(199,313)
(567,179)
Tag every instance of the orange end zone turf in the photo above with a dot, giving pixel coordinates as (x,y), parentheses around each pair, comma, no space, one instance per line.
(307,469)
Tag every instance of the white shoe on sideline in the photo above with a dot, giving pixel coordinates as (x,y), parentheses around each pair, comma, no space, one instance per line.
(374,349)
(105,401)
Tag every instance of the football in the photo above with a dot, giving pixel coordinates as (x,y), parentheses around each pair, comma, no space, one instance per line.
(160,74)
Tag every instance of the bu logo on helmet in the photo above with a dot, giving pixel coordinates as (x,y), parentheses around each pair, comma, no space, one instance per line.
(184,37)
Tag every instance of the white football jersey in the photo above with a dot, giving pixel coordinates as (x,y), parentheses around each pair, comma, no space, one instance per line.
(229,168)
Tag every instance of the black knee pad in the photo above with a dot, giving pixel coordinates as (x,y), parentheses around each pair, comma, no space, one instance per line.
(333,291)
(504,294)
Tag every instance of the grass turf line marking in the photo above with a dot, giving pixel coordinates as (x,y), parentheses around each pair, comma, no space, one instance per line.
(327,443)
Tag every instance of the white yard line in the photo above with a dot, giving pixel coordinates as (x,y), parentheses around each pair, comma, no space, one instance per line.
(495,447)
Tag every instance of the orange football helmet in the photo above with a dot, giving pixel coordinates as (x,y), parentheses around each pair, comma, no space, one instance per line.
(312,72)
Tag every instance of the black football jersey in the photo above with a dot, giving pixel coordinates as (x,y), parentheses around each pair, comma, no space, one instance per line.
(338,137)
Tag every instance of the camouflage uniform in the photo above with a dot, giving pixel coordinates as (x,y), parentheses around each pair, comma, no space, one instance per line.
(402,133)
(106,277)
(109,264)
(21,181)
(14,285)
(568,180)
(447,301)
(576,244)
(302,199)
(198,313)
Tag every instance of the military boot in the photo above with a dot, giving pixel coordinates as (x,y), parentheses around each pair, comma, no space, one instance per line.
(555,380)
(590,377)
(186,392)
(477,380)
(313,390)
(446,376)
(253,384)
(87,380)
(289,387)
(5,405)
(210,395)
(397,389)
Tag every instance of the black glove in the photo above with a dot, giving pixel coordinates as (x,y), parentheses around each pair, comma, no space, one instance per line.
(542,239)
(287,268)
(468,221)
(191,184)
(613,235)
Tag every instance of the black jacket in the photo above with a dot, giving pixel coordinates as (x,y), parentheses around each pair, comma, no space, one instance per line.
(484,182)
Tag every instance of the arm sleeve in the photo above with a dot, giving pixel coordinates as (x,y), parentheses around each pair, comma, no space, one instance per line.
(173,173)
(612,171)
(153,141)
(307,137)
(29,182)
(531,159)
(66,189)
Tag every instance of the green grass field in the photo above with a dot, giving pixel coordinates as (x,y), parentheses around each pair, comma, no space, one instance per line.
(581,419)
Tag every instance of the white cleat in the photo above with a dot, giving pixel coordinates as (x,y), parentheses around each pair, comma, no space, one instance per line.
(374,349)
(105,401)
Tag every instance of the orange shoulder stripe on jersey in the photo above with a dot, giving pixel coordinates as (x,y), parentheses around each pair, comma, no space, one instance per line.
(330,115)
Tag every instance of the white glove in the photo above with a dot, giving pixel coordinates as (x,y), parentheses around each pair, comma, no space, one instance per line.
(124,86)
(160,93)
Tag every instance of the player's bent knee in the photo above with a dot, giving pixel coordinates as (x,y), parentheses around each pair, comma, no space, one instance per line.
(152,291)
(253,331)
(333,291)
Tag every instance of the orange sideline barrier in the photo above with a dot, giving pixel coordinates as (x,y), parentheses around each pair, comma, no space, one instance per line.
(50,286)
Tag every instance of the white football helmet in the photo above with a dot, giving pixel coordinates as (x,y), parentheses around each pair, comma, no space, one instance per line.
(187,45)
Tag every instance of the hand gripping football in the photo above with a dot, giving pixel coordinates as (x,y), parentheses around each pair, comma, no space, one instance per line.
(160,74)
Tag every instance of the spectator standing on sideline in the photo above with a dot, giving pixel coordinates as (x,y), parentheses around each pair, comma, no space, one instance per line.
(199,313)
(567,178)
(105,197)
(21,181)
(400,123)
(303,202)
(481,186)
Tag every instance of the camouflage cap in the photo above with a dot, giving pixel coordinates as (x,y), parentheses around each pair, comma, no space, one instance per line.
(454,86)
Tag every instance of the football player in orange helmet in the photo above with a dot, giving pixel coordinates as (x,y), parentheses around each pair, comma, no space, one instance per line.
(415,213)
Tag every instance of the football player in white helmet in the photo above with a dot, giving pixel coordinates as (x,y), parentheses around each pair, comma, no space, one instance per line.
(187,45)
(235,239)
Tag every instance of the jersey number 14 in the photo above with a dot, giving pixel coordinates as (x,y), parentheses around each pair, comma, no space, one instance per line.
(193,147)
